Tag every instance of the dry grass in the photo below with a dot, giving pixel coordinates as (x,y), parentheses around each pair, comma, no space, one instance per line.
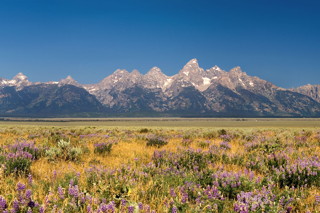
(130,150)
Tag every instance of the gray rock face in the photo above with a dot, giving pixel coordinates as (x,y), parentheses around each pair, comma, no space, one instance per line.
(312,91)
(155,79)
(48,100)
(193,91)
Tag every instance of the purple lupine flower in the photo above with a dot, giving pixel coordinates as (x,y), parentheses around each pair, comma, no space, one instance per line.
(82,198)
(225,145)
(25,146)
(73,191)
(28,194)
(104,147)
(258,200)
(20,187)
(226,137)
(88,136)
(184,198)
(130,209)
(172,193)
(61,192)
(3,203)
(16,205)
(123,202)
(41,209)
(174,209)
(110,207)
(54,174)
(103,207)
(106,208)
(30,179)
(140,206)
(89,209)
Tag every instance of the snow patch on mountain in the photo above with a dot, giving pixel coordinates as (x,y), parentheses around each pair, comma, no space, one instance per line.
(206,80)
(18,81)
(167,82)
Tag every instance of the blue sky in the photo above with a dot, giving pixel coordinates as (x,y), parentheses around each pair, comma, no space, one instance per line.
(277,40)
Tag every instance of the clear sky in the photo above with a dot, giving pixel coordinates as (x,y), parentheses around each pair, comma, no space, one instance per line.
(277,40)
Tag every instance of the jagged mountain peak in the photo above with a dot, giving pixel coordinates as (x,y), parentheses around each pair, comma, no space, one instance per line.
(135,72)
(121,72)
(69,80)
(18,81)
(20,77)
(155,72)
(135,75)
(191,68)
(114,77)
(216,68)
(215,72)
(154,78)
(236,70)
(192,63)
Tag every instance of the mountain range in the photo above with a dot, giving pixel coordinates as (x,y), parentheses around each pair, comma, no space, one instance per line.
(193,92)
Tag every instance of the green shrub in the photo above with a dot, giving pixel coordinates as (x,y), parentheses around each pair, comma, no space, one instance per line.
(103,148)
(144,130)
(74,154)
(204,144)
(222,132)
(157,142)
(64,151)
(210,135)
(53,153)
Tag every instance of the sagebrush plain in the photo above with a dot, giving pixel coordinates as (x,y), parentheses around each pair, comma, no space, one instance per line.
(160,165)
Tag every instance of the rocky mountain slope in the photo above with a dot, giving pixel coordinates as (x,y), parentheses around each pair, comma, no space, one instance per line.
(312,91)
(43,100)
(193,91)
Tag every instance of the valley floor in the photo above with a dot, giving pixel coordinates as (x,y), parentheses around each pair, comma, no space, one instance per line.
(168,122)
(160,165)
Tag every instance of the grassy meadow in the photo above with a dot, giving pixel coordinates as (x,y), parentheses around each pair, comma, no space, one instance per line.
(160,165)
